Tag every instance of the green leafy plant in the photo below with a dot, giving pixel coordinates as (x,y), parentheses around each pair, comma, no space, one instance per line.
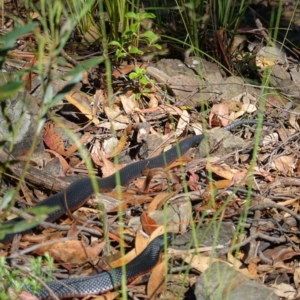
(39,268)
(133,38)
(139,74)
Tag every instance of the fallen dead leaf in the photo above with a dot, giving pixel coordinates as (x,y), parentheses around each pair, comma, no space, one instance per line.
(284,164)
(156,281)
(83,108)
(286,291)
(72,252)
(130,104)
(158,200)
(223,171)
(63,162)
(182,123)
(297,277)
(120,145)
(149,225)
(107,296)
(221,112)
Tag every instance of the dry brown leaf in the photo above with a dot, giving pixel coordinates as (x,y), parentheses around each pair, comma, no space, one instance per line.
(131,201)
(128,256)
(220,184)
(83,140)
(124,70)
(100,97)
(238,266)
(157,232)
(108,167)
(263,173)
(182,123)
(288,202)
(296,277)
(284,164)
(149,225)
(198,261)
(107,296)
(120,146)
(96,158)
(239,177)
(72,252)
(72,232)
(156,281)
(293,120)
(286,291)
(221,112)
(129,103)
(63,162)
(280,253)
(86,111)
(157,201)
(140,242)
(154,101)
(221,170)
(248,108)
(23,296)
(198,128)
(252,268)
(52,139)
(115,114)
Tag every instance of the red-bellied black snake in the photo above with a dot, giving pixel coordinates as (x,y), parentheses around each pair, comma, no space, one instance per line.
(106,281)
(79,191)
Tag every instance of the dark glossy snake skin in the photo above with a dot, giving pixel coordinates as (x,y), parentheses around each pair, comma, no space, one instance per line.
(80,190)
(106,281)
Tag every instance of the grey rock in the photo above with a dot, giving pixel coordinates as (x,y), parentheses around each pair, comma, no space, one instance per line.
(225,140)
(18,121)
(220,282)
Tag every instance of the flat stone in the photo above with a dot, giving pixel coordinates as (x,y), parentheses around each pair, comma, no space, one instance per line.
(220,281)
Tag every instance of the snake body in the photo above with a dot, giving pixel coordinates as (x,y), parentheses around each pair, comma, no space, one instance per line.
(80,190)
(75,196)
(106,281)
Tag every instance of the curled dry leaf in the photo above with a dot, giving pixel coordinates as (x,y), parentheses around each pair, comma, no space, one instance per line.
(129,103)
(182,123)
(82,107)
(108,167)
(158,201)
(223,171)
(131,254)
(221,112)
(72,252)
(121,143)
(52,139)
(286,291)
(149,225)
(63,162)
(297,277)
(284,164)
(115,114)
(156,281)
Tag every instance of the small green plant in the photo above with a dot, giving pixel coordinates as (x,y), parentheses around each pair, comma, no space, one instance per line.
(134,38)
(11,277)
(139,74)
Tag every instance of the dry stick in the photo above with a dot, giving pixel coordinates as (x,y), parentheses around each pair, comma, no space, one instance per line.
(253,231)
(69,59)
(270,204)
(259,236)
